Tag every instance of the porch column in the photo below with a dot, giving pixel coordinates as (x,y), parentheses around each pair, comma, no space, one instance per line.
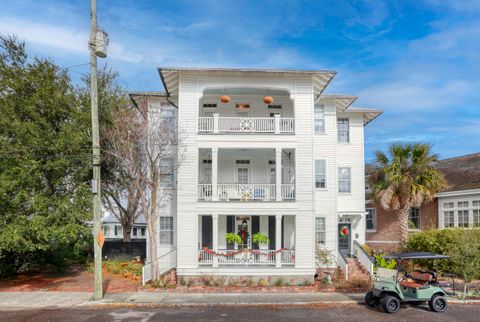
(214,174)
(215,239)
(276,119)
(278,240)
(278,173)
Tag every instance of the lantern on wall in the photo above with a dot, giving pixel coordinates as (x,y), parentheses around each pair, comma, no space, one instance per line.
(224,98)
(268,99)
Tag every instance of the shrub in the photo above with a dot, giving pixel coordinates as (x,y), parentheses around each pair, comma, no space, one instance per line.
(380,261)
(279,282)
(449,241)
(324,256)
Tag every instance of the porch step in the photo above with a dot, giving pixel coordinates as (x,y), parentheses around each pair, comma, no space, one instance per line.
(356,270)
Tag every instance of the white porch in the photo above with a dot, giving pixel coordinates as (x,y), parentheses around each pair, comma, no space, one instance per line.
(246,175)
(214,251)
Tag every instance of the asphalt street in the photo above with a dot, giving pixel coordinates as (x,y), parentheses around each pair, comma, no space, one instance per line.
(355,312)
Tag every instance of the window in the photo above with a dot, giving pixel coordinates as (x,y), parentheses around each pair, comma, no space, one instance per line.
(210,105)
(118,231)
(371,219)
(462,204)
(319,119)
(448,205)
(167,112)
(320,178)
(448,219)
(106,230)
(414,218)
(142,232)
(463,218)
(320,231)
(166,230)
(476,213)
(274,106)
(344,180)
(167,178)
(242,175)
(343,129)
(242,161)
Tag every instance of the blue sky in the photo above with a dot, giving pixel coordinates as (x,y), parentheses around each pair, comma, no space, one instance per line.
(417,60)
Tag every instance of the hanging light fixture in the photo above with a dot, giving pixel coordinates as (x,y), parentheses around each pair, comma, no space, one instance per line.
(267,99)
(224,98)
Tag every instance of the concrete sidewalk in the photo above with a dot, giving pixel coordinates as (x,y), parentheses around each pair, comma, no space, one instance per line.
(70,299)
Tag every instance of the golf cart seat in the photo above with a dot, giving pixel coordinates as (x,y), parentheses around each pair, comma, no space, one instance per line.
(420,280)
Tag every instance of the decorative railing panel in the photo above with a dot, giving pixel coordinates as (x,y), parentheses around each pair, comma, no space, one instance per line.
(246,192)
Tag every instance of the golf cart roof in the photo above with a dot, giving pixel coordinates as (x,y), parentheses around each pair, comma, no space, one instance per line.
(417,255)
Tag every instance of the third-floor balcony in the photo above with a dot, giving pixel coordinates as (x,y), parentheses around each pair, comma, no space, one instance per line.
(246,111)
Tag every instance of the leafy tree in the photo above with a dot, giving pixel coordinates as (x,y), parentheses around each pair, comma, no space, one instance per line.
(44,161)
(404,179)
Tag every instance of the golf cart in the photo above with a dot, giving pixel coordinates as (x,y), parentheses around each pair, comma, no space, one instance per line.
(394,286)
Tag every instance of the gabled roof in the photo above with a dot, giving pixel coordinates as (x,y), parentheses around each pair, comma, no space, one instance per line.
(341,101)
(462,173)
(369,114)
(170,75)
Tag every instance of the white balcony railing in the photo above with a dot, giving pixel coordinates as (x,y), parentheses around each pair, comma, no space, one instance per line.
(205,192)
(236,257)
(288,257)
(276,125)
(205,124)
(246,192)
(288,191)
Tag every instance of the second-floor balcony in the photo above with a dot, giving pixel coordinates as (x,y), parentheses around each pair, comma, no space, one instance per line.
(273,125)
(246,175)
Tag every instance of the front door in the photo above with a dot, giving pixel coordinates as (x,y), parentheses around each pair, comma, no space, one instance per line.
(344,238)
(243,226)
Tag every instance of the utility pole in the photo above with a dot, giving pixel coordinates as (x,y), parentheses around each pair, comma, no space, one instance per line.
(97,202)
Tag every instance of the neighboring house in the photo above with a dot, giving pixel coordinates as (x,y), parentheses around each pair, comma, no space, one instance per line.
(457,206)
(263,151)
(112,229)
(114,246)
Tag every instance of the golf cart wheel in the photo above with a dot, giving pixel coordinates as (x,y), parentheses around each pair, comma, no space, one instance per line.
(390,304)
(370,299)
(438,303)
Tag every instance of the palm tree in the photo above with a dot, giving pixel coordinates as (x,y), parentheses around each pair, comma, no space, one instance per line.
(406,178)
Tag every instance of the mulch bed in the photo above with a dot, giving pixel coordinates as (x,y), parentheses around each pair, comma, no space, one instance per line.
(76,279)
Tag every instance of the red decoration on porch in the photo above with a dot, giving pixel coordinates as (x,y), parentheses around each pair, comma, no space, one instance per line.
(224,98)
(256,252)
(268,99)
(344,231)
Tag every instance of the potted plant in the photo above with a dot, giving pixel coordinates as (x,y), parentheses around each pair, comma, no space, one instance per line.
(260,239)
(232,238)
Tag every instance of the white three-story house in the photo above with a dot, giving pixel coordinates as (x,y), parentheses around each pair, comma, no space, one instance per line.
(264,151)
